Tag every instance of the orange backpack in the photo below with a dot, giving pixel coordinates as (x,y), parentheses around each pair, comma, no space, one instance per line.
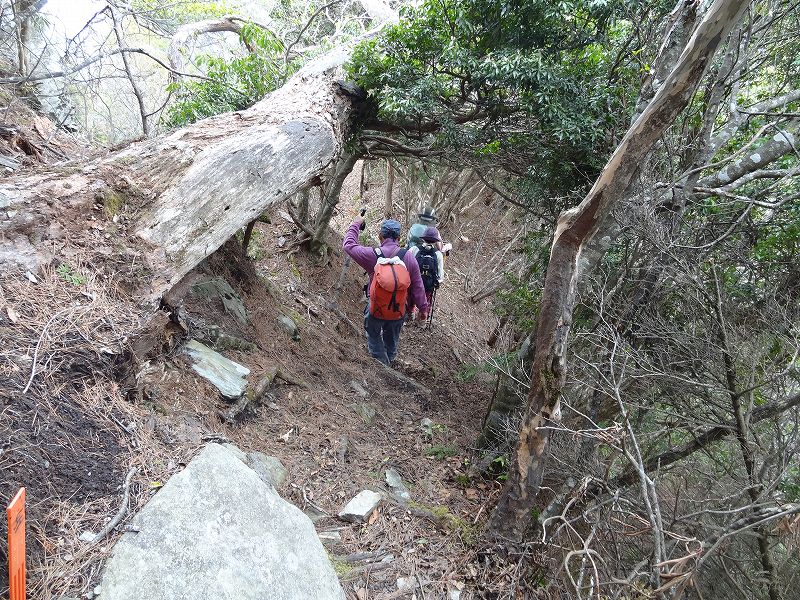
(389,287)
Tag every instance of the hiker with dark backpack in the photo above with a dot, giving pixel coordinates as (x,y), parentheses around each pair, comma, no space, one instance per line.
(394,277)
(425,219)
(430,259)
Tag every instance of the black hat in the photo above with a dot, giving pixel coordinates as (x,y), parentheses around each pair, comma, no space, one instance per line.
(428,214)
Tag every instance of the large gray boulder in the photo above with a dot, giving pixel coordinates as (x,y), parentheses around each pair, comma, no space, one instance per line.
(217,531)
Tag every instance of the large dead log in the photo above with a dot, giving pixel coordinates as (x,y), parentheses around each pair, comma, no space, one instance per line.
(183,195)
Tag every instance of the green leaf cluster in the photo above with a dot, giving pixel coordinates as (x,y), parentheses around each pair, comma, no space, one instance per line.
(182,12)
(524,82)
(233,84)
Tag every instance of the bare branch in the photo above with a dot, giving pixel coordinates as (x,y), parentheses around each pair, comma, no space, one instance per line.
(91,61)
(782,143)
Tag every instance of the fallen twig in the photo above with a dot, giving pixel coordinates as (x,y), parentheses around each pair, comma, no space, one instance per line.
(371,557)
(122,509)
(289,378)
(39,344)
(250,397)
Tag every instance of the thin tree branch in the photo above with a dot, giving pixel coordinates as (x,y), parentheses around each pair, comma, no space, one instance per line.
(91,61)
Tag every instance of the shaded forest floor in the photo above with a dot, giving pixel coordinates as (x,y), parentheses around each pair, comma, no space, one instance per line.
(112,390)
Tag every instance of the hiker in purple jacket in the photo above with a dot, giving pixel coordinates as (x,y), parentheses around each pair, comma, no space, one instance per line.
(383,335)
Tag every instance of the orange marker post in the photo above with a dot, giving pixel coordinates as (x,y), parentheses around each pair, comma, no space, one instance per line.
(16,546)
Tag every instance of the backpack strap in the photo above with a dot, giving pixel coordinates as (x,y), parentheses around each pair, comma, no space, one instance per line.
(393,300)
(378,252)
(399,255)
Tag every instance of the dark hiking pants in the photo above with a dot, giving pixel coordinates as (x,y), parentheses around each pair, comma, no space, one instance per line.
(382,337)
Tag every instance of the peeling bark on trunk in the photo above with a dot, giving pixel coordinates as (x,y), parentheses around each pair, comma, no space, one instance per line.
(185,194)
(679,26)
(576,227)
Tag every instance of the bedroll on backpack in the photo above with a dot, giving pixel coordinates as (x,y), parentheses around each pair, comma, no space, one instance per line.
(428,267)
(389,288)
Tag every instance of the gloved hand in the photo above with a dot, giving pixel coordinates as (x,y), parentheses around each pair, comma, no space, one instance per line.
(422,316)
(361,223)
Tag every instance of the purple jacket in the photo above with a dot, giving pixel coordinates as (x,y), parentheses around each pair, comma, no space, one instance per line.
(365,256)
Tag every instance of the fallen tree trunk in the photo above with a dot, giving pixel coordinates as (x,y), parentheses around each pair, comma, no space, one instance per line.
(183,195)
(283,144)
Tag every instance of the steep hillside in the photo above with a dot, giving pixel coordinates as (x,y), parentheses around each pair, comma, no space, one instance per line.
(29,139)
(97,384)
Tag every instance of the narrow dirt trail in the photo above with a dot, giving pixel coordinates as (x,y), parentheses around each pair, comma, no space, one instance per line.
(333,452)
(331,448)
(81,427)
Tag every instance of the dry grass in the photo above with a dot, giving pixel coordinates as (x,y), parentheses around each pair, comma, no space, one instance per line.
(68,565)
(61,337)
(69,317)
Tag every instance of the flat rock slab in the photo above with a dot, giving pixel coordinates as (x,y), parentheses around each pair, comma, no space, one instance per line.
(359,509)
(399,491)
(215,531)
(217,287)
(229,377)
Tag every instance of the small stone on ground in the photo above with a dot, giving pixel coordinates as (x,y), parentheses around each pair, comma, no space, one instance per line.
(289,326)
(365,411)
(330,538)
(398,489)
(229,377)
(268,466)
(358,389)
(359,509)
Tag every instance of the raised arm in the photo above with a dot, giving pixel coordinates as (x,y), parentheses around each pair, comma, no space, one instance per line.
(363,255)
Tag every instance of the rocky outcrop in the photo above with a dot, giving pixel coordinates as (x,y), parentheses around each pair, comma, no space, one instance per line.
(218,531)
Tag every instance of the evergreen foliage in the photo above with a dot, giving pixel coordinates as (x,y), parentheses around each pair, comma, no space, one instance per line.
(534,86)
(233,84)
